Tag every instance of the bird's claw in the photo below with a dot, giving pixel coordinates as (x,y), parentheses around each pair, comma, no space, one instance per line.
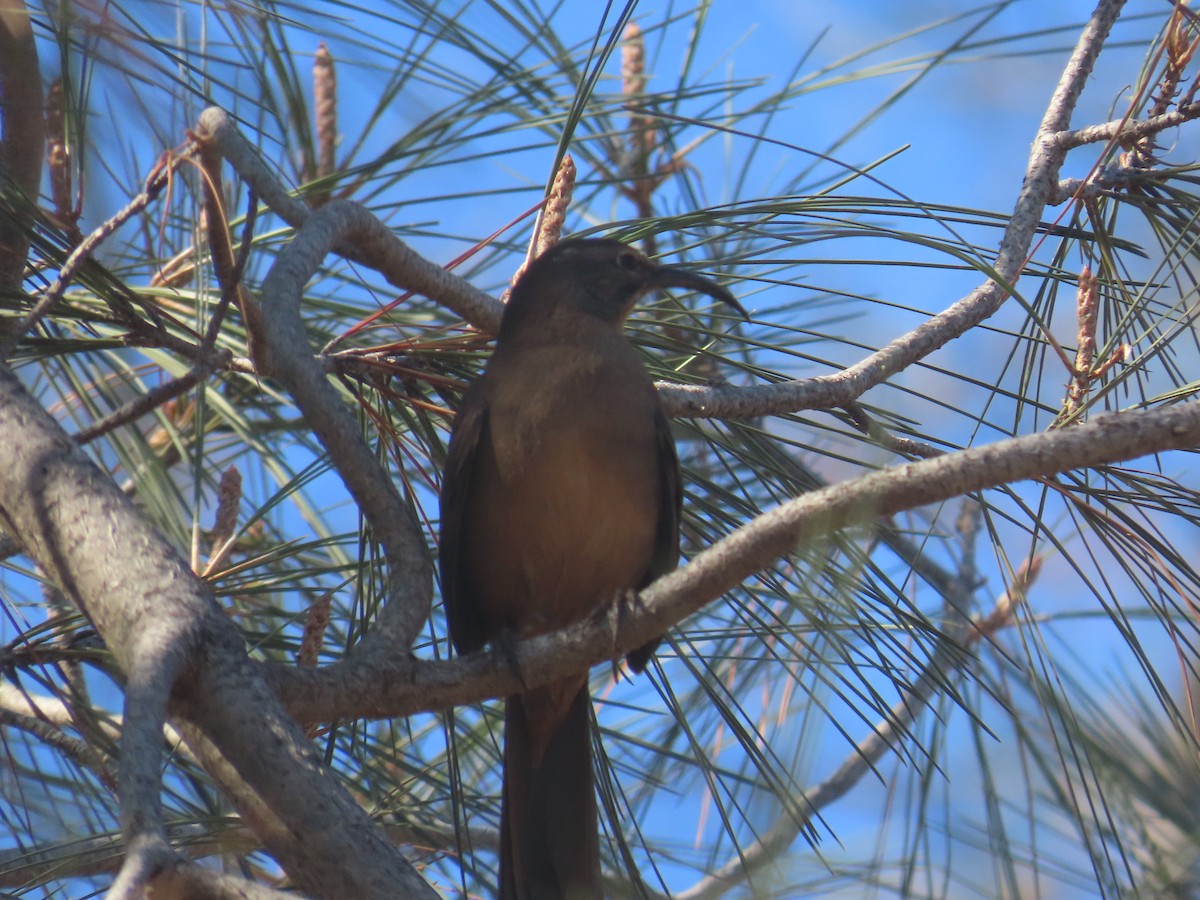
(505,645)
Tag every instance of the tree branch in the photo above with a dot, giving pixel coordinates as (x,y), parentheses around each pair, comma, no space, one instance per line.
(844,387)
(1128,130)
(289,358)
(84,251)
(23,130)
(948,654)
(333,691)
(377,249)
(399,687)
(159,620)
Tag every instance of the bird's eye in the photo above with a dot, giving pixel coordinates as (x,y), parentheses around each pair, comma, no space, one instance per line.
(627,260)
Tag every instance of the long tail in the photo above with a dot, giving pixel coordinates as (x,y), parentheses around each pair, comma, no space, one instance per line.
(549,831)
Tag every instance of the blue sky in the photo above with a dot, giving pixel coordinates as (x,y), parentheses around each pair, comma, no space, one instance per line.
(960,136)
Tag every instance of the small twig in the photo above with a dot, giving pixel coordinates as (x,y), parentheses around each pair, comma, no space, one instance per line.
(634,168)
(633,89)
(60,165)
(221,248)
(1179,51)
(1105,182)
(904,446)
(554,214)
(316,623)
(158,180)
(51,735)
(1002,612)
(381,251)
(152,399)
(967,525)
(234,287)
(1127,130)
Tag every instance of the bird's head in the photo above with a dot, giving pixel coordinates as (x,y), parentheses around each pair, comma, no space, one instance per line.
(599,277)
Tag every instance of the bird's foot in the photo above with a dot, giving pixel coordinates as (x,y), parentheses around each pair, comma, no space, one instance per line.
(611,614)
(505,646)
(629,603)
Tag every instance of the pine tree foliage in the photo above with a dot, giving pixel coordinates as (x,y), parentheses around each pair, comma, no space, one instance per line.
(936,633)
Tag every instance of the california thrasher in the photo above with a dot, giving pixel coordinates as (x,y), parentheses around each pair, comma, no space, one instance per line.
(561,490)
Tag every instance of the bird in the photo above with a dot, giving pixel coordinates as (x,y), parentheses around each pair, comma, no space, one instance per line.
(561,490)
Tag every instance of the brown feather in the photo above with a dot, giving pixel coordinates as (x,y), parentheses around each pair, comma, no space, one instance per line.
(561,490)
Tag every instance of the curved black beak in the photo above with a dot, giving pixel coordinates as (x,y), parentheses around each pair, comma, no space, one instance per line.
(669,277)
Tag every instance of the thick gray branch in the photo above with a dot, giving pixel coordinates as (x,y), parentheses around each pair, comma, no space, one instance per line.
(405,687)
(1039,187)
(379,249)
(289,358)
(159,620)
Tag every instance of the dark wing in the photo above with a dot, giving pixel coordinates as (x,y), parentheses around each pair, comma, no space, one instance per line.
(468,628)
(670,501)
(666,535)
